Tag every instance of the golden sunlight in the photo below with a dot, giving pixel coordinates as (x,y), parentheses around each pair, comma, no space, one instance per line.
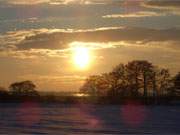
(81,57)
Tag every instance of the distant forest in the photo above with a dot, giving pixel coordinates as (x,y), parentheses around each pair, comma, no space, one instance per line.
(138,79)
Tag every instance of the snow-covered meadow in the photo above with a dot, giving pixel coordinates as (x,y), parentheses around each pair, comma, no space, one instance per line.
(35,118)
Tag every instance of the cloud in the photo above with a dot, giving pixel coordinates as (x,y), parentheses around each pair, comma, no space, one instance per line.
(164,4)
(170,7)
(58,2)
(34,54)
(49,38)
(26,2)
(59,42)
(138,14)
(59,39)
(12,38)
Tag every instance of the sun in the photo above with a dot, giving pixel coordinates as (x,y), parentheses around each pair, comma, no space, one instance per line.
(81,57)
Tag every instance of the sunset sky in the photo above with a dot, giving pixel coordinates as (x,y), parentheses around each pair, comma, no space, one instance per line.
(58,43)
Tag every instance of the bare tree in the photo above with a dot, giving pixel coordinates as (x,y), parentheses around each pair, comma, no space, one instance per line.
(139,73)
(176,82)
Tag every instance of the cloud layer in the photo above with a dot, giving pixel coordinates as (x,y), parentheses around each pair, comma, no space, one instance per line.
(166,4)
(61,40)
(59,43)
(58,2)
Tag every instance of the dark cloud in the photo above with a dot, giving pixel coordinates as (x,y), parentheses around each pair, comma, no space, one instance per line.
(163,3)
(60,40)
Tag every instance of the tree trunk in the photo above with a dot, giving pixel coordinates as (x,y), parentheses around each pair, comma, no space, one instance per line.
(145,84)
(136,83)
(154,85)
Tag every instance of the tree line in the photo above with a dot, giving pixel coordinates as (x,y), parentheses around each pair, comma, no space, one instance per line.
(136,79)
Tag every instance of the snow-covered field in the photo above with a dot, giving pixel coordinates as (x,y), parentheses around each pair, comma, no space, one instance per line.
(83,119)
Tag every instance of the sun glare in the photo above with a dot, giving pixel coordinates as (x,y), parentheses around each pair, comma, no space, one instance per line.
(81,57)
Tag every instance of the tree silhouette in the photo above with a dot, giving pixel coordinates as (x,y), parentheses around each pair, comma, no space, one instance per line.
(121,83)
(139,73)
(136,78)
(163,79)
(96,85)
(25,88)
(177,84)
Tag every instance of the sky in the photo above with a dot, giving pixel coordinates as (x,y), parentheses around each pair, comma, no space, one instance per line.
(39,39)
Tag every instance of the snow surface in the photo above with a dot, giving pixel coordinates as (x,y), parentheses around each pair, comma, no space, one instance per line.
(85,119)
